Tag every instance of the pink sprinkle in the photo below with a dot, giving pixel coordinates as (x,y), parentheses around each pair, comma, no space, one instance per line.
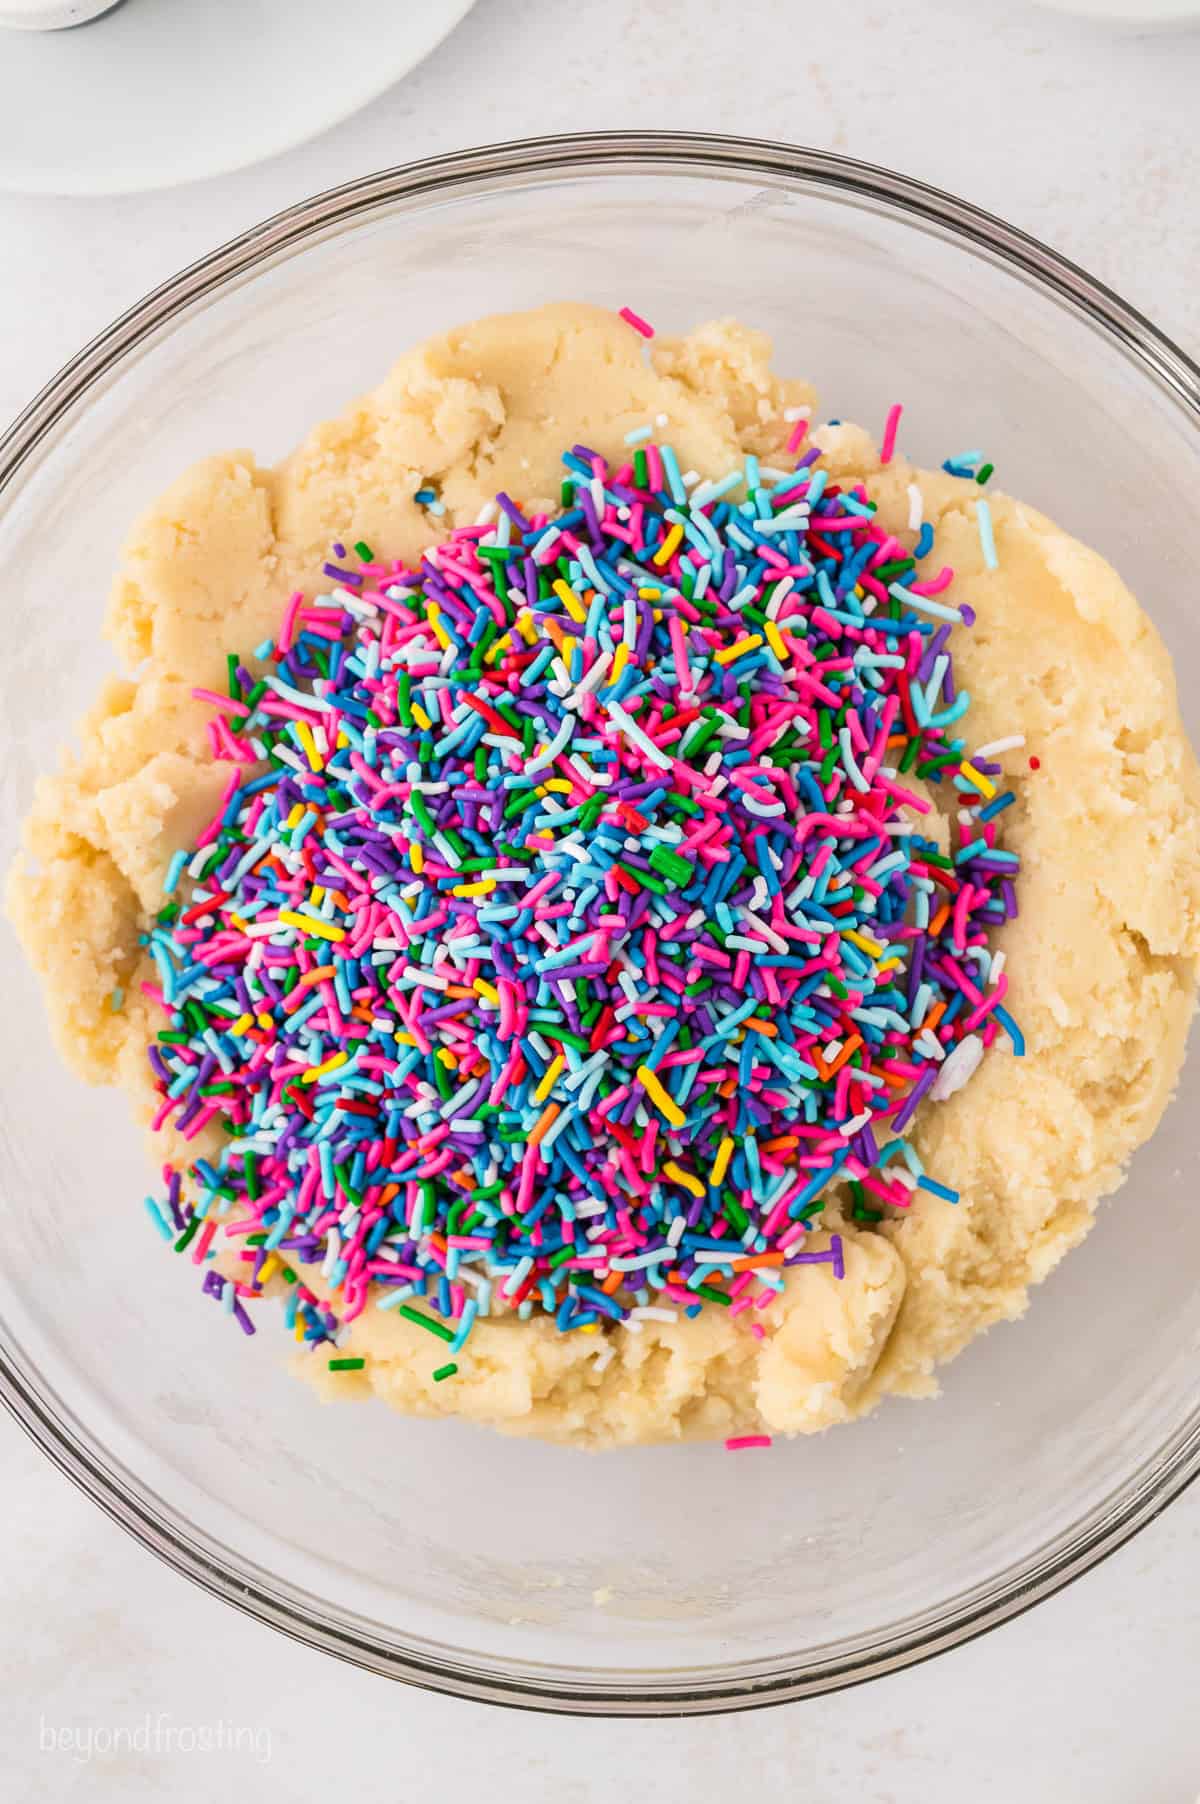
(284,643)
(888,447)
(737,1442)
(796,436)
(636,321)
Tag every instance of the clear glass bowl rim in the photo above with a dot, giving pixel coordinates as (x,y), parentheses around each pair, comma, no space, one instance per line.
(31,1401)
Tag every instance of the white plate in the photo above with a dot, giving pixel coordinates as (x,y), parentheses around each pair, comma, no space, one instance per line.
(166,91)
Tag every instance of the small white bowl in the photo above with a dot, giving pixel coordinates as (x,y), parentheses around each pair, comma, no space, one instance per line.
(151,95)
(51,15)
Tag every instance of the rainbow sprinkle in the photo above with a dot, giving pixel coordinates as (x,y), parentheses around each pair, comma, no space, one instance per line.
(567,933)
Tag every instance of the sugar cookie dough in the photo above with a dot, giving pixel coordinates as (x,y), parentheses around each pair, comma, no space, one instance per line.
(1102,959)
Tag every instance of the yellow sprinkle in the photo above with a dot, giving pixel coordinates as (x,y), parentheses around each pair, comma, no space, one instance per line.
(342,742)
(299,1327)
(550,1078)
(588,1328)
(488,991)
(447,1058)
(295,817)
(264,1020)
(419,715)
(620,659)
(499,650)
(526,627)
(318,896)
(721,1162)
(669,546)
(434,617)
(986,789)
(483,888)
(406,1039)
(739,648)
(308,745)
(558,786)
(650,594)
(570,600)
(776,641)
(241,1024)
(324,930)
(889,964)
(318,1071)
(416,857)
(269,1266)
(862,942)
(666,1105)
(678,1176)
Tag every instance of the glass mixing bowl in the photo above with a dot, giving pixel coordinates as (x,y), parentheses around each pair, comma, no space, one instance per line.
(664,1579)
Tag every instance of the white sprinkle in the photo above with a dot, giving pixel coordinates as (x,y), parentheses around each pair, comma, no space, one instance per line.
(429,979)
(1013,743)
(916,508)
(997,970)
(961,1065)
(792,414)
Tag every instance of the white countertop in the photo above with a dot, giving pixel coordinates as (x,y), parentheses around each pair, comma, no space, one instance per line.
(1088,139)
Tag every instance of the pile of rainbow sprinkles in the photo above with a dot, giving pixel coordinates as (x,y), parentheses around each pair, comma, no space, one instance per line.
(568,934)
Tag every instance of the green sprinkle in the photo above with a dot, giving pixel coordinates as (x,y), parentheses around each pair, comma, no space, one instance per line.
(670,864)
(346,1365)
(189,1234)
(425,1321)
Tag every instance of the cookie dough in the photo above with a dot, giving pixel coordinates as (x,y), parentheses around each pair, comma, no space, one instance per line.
(1103,959)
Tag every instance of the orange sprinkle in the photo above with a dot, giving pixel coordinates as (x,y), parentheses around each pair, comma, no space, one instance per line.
(848,1050)
(756,1261)
(762,1027)
(544,1123)
(891,1077)
(939,920)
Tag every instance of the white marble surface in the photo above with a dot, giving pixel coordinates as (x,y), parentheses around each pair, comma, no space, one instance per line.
(1088,139)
